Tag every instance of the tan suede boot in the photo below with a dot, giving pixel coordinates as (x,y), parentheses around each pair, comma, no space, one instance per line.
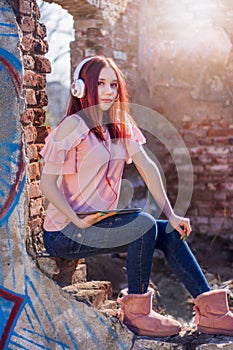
(212,313)
(138,316)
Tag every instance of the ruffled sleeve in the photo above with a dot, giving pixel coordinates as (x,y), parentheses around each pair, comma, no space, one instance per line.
(60,156)
(135,139)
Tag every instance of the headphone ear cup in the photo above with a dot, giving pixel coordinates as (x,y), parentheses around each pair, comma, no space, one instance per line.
(78,88)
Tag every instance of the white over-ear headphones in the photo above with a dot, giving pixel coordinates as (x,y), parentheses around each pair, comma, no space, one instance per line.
(78,85)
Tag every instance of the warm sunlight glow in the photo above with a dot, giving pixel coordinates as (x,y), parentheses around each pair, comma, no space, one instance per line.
(184,41)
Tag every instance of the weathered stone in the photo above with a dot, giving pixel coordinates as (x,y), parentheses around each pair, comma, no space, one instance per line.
(144,344)
(225,346)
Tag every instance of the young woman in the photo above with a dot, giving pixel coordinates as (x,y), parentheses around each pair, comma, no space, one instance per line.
(84,159)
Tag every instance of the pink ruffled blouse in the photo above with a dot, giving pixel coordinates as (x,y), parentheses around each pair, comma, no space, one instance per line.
(90,169)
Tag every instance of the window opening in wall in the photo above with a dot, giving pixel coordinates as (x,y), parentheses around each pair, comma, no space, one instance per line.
(60,32)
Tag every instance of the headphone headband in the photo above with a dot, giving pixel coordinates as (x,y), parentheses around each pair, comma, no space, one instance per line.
(78,85)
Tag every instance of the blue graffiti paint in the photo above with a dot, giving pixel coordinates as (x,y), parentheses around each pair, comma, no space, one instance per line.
(48,339)
(12,305)
(36,317)
(4,220)
(5,310)
(30,323)
(70,333)
(10,25)
(4,9)
(30,341)
(15,62)
(13,35)
(10,137)
(30,284)
(112,332)
(88,328)
(18,346)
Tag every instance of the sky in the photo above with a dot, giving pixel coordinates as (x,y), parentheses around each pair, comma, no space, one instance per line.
(60,33)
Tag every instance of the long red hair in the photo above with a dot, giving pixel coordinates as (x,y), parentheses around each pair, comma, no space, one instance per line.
(115,118)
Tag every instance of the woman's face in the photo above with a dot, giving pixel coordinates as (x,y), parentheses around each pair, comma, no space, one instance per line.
(107,88)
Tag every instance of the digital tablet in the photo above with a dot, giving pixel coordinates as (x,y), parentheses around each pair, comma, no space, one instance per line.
(117,211)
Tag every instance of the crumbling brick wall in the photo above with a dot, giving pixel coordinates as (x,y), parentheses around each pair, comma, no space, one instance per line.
(33,48)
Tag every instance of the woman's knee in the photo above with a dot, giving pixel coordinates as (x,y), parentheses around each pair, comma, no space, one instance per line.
(147,219)
(148,224)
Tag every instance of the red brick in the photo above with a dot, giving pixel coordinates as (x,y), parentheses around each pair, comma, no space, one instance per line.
(36,226)
(205,158)
(33,115)
(218,150)
(31,152)
(28,62)
(36,11)
(27,24)
(35,207)
(26,43)
(217,168)
(205,141)
(221,141)
(27,116)
(228,186)
(31,97)
(40,46)
(42,133)
(221,160)
(42,64)
(40,116)
(34,171)
(25,7)
(35,80)
(34,190)
(42,98)
(40,30)
(30,134)
(220,132)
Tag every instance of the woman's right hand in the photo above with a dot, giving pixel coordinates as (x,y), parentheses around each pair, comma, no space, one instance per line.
(92,219)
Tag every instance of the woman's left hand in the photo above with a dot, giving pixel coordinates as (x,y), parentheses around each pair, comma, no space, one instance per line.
(180,224)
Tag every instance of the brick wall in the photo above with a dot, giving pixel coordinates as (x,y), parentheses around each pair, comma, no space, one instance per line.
(185,74)
(211,150)
(33,48)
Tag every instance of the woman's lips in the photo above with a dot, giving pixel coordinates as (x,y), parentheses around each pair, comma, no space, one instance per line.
(106,100)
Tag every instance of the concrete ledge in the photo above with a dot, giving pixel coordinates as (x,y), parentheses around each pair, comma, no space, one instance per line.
(189,339)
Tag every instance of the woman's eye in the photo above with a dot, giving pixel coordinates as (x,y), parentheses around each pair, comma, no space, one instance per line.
(114,85)
(100,83)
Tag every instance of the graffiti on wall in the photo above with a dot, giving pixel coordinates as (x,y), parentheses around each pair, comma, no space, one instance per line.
(12,167)
(11,148)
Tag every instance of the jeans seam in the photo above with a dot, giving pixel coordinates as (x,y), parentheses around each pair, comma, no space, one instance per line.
(140,265)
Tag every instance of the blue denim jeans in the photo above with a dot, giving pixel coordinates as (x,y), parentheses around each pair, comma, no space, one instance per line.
(138,234)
